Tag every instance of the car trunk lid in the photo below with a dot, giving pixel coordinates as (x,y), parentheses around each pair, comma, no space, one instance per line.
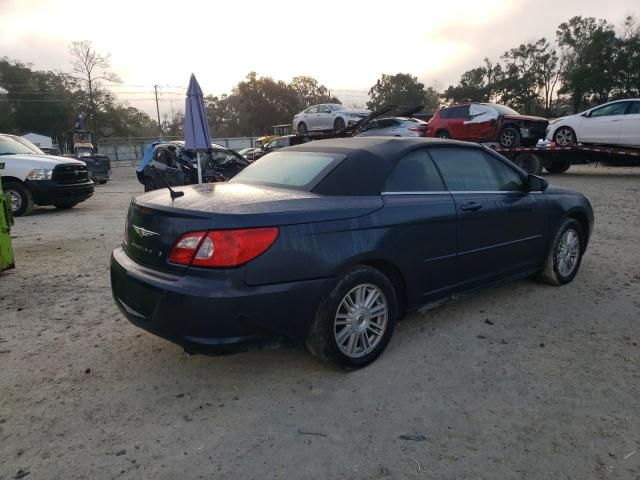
(155,221)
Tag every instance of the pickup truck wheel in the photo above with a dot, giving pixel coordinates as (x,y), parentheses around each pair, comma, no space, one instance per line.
(443,134)
(20,198)
(509,138)
(355,322)
(65,206)
(563,260)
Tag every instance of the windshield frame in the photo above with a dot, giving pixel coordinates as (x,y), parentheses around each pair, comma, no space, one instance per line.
(337,107)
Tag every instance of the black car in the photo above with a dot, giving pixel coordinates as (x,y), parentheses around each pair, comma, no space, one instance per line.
(333,241)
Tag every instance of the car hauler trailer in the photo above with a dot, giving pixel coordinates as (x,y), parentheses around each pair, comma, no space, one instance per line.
(556,159)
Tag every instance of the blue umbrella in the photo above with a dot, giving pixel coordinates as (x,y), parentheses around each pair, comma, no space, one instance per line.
(196,128)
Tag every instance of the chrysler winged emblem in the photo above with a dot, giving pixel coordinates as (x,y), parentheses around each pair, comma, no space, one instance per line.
(143,232)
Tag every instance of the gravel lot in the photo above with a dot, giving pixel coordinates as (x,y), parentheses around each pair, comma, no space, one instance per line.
(520,382)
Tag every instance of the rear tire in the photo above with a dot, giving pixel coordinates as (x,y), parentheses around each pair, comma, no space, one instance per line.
(509,137)
(443,134)
(355,322)
(563,260)
(338,124)
(20,198)
(557,166)
(529,162)
(302,128)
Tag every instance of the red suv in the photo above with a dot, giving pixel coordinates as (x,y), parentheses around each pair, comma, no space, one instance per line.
(487,122)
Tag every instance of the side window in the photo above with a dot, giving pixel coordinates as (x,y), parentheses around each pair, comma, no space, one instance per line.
(460,112)
(323,109)
(445,113)
(312,110)
(610,110)
(472,170)
(635,108)
(415,172)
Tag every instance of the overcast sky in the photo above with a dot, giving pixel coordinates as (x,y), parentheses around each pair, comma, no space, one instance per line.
(345,44)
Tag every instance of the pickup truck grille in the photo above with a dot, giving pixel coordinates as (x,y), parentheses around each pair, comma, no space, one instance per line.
(70,173)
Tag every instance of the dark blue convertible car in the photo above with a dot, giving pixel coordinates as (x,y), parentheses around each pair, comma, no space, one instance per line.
(331,242)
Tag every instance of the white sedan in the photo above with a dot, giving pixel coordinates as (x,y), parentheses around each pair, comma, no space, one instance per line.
(614,123)
(326,117)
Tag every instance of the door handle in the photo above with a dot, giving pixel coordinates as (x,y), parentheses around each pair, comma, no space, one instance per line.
(471,207)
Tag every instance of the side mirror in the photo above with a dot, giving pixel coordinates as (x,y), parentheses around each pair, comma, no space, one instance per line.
(536,184)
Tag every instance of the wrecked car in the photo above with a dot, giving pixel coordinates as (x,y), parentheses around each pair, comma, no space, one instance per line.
(487,122)
(169,163)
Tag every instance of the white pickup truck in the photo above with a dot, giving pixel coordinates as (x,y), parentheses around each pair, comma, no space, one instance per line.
(32,178)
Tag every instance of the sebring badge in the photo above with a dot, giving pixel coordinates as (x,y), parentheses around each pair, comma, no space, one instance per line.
(143,232)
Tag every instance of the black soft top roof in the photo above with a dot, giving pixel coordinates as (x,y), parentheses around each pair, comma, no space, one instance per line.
(368,162)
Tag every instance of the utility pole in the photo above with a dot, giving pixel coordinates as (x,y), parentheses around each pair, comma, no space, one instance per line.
(155,88)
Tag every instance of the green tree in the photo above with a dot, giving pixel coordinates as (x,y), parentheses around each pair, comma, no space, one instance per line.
(36,101)
(310,92)
(401,89)
(591,52)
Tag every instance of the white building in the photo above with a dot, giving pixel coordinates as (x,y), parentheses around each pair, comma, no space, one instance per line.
(39,140)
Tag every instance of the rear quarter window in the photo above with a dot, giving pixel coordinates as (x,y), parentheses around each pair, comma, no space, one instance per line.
(297,170)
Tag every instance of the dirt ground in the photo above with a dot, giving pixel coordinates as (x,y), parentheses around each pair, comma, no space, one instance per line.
(525,381)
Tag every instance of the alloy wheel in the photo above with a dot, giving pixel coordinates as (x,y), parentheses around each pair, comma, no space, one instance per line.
(507,138)
(564,137)
(361,320)
(568,252)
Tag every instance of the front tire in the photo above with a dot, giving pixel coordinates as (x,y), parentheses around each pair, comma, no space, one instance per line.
(564,137)
(338,124)
(355,322)
(443,134)
(563,261)
(20,198)
(509,138)
(302,128)
(65,206)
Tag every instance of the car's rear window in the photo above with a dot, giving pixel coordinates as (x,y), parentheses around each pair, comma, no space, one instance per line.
(299,170)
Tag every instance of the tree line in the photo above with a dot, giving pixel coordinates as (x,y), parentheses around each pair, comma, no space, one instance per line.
(49,102)
(589,62)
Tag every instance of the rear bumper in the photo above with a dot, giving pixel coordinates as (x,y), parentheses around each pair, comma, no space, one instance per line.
(216,309)
(50,192)
(100,176)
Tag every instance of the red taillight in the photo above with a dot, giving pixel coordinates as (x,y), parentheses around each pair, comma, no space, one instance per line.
(422,129)
(186,247)
(222,248)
